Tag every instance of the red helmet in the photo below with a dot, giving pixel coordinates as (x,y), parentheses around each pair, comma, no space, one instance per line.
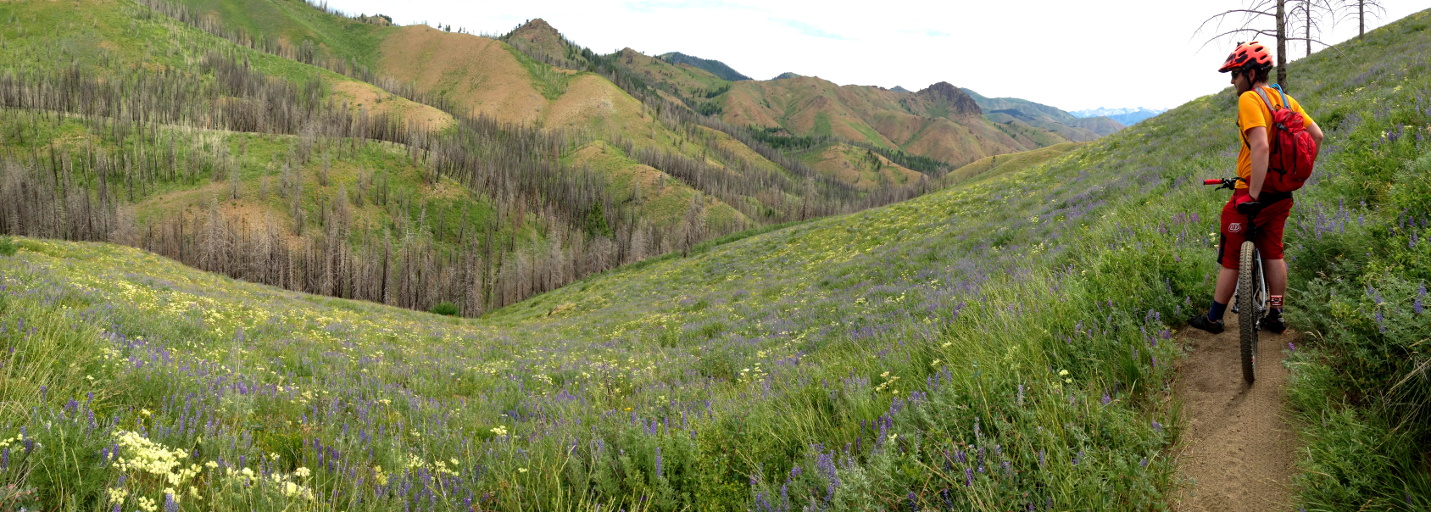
(1247,55)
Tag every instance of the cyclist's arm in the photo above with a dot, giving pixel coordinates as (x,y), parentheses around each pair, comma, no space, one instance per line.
(1316,132)
(1258,145)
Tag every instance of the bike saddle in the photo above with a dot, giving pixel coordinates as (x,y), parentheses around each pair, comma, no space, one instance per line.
(1249,208)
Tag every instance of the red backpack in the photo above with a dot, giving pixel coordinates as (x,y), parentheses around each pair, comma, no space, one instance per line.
(1293,152)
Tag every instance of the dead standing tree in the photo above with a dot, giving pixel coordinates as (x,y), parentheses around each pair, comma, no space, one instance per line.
(1306,11)
(1359,10)
(1308,15)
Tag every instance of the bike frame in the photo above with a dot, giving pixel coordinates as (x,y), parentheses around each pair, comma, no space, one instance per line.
(1254,306)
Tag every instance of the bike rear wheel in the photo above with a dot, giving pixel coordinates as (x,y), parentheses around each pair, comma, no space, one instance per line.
(1249,313)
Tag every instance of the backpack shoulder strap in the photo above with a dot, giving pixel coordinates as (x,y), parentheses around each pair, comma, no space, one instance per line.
(1270,105)
(1286,103)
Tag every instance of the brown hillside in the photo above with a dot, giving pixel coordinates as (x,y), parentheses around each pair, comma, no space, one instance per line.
(484,76)
(591,101)
(939,122)
(942,100)
(477,74)
(365,97)
(539,39)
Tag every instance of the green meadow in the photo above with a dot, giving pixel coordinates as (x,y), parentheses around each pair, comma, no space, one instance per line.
(1006,343)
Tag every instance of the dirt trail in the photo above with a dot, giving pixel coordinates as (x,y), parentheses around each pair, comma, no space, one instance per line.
(1238,451)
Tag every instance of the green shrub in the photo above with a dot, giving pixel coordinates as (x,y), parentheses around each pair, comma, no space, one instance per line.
(445,308)
(7,246)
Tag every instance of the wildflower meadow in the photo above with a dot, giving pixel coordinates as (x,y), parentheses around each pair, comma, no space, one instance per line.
(1007,343)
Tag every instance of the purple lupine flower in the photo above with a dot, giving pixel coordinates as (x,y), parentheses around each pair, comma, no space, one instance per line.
(1078,457)
(1416,306)
(968,477)
(1291,347)
(913,502)
(658,462)
(1040,458)
(1106,399)
(1157,426)
(1144,463)
(169,504)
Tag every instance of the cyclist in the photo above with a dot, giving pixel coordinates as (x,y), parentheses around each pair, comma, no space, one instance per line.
(1250,65)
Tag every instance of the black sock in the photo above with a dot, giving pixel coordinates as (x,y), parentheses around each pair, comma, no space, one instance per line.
(1215,313)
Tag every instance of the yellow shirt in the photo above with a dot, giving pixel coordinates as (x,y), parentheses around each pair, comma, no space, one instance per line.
(1251,113)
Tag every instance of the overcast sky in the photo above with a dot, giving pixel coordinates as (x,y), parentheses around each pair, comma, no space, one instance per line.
(1072,55)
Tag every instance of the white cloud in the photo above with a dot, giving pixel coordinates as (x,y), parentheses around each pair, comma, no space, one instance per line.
(1072,55)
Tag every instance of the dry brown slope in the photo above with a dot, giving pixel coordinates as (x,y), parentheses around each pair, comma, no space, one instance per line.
(477,74)
(1238,450)
(939,122)
(485,77)
(366,97)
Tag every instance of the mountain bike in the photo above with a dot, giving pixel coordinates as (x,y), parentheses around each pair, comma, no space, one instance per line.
(1250,298)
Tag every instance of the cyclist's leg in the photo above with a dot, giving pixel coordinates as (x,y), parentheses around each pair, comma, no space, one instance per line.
(1271,222)
(1226,283)
(1276,276)
(1228,253)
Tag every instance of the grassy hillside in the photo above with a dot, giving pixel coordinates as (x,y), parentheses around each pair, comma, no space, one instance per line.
(996,165)
(453,182)
(860,167)
(1003,344)
(682,80)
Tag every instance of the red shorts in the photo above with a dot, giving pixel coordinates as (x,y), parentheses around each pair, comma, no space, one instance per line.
(1270,222)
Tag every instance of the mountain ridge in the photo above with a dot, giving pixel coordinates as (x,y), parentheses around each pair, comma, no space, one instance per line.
(1126,116)
(715,67)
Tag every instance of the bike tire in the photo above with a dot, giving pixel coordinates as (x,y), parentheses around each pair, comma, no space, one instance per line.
(1248,312)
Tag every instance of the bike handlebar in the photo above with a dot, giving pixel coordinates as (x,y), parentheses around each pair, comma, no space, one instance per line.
(1227,183)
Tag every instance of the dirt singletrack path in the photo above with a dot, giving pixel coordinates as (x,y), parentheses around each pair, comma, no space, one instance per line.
(1238,450)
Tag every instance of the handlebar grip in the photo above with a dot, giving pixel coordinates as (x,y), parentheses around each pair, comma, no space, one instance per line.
(1212,181)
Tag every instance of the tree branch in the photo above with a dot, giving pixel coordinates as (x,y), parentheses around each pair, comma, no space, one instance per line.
(1237,31)
(1216,16)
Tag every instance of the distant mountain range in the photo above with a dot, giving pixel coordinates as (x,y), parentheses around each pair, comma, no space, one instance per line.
(1046,117)
(1127,116)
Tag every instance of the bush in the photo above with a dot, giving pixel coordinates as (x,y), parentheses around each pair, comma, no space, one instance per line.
(445,308)
(7,246)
